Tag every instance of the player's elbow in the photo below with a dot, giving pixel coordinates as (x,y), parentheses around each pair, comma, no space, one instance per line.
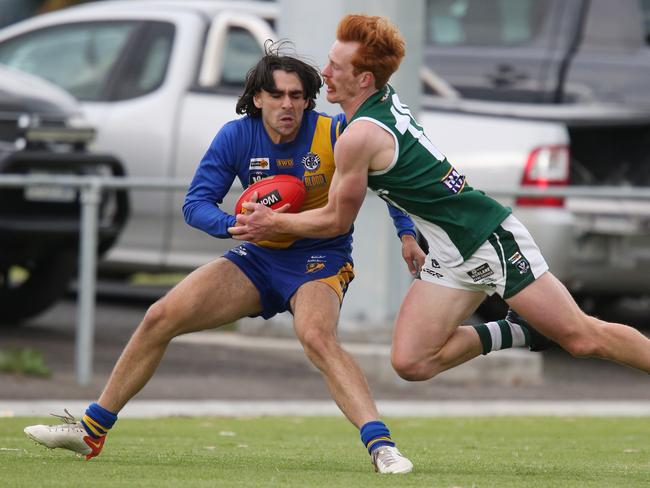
(188,213)
(338,226)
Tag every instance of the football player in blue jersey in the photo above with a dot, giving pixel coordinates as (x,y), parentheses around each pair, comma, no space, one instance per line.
(280,133)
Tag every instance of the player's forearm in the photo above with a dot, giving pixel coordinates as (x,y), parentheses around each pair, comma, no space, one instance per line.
(317,223)
(208,217)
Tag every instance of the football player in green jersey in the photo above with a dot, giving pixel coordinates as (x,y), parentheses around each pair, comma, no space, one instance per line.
(476,247)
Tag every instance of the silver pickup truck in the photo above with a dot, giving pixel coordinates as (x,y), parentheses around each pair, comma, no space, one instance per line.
(159,78)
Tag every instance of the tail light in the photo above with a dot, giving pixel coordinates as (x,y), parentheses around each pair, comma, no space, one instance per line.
(547,166)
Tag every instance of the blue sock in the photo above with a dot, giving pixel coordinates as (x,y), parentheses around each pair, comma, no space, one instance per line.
(375,434)
(97,421)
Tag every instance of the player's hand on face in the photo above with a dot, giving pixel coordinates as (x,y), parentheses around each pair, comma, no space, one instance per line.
(412,253)
(257,223)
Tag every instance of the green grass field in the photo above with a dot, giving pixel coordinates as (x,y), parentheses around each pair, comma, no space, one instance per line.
(326,452)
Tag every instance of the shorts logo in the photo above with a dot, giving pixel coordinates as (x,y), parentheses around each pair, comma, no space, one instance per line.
(480,273)
(454,181)
(311,161)
(284,163)
(520,262)
(313,267)
(315,263)
(240,250)
(259,163)
(433,273)
(435,264)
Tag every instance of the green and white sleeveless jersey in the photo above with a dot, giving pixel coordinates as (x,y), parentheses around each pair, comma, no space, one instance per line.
(454,217)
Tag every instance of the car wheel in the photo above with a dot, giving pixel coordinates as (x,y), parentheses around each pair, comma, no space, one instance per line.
(30,287)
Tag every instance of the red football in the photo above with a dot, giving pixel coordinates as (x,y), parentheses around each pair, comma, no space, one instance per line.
(274,192)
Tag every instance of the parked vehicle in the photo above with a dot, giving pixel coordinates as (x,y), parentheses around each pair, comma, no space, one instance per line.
(584,64)
(159,78)
(42,132)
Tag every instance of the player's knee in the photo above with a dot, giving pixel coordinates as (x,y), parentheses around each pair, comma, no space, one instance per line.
(585,339)
(411,369)
(581,347)
(157,321)
(317,342)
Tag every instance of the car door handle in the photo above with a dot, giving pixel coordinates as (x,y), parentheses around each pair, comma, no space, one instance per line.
(506,75)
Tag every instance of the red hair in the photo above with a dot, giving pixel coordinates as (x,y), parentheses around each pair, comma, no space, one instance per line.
(381,48)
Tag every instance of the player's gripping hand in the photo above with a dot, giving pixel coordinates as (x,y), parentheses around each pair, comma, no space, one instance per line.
(257,223)
(412,254)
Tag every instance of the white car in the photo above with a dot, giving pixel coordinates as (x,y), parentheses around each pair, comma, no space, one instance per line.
(159,78)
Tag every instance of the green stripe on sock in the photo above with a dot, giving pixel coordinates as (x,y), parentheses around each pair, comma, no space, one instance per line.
(506,334)
(484,336)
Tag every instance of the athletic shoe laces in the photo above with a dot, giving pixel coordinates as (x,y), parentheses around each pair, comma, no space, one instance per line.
(67,418)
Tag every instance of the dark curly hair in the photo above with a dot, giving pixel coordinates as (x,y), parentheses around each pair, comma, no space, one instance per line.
(260,77)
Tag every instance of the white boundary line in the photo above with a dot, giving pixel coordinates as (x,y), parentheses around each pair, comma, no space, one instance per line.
(162,408)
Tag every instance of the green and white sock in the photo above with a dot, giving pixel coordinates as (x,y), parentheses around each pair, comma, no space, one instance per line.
(501,335)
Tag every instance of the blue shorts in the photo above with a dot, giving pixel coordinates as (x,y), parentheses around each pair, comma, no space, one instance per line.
(278,273)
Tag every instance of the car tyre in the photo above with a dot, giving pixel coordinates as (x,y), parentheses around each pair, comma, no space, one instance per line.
(41,283)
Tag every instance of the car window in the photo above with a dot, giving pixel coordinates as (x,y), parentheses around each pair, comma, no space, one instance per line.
(645,8)
(145,66)
(241,54)
(77,57)
(483,22)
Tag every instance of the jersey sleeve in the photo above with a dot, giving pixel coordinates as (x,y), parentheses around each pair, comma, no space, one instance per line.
(212,181)
(402,222)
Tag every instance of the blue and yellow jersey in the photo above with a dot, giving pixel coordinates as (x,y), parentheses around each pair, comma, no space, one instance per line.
(243,149)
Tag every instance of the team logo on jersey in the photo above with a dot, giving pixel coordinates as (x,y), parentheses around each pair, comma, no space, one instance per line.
(454,181)
(520,262)
(481,273)
(284,163)
(259,163)
(311,161)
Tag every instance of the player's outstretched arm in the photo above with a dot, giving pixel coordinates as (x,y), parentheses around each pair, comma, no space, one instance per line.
(346,194)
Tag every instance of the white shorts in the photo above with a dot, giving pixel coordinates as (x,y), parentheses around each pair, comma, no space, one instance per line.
(504,264)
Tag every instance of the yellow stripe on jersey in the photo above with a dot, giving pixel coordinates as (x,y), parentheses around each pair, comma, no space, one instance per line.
(318,180)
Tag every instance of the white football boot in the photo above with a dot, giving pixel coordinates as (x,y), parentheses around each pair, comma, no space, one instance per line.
(388,460)
(70,435)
